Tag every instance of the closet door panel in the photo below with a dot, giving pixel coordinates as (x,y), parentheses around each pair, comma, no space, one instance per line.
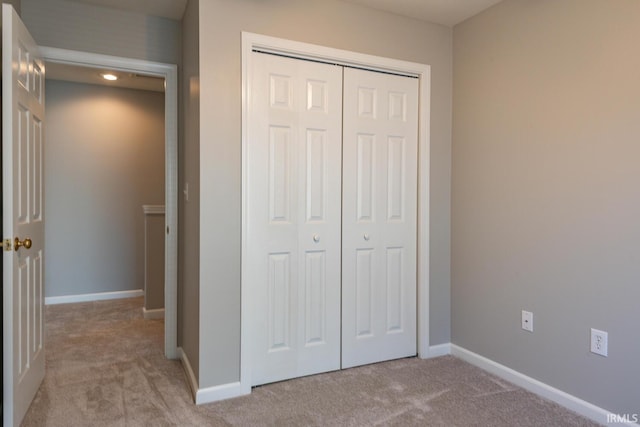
(379,221)
(293,217)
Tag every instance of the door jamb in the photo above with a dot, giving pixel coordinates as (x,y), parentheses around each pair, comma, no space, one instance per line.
(251,42)
(170,73)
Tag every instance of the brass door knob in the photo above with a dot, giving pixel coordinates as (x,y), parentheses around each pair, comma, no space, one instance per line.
(26,243)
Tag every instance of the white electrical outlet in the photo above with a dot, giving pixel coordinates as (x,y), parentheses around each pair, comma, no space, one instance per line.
(599,342)
(527,321)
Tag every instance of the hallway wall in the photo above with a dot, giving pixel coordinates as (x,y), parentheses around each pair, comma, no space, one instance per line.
(104,159)
(92,28)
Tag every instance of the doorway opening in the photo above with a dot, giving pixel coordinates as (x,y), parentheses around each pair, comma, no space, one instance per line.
(152,73)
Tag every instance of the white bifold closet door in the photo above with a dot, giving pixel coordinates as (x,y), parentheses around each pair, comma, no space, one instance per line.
(293,217)
(379,219)
(331,202)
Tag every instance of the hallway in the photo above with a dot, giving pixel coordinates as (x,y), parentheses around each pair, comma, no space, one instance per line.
(105,367)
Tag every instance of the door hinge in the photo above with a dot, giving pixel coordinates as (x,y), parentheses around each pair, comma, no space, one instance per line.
(7,245)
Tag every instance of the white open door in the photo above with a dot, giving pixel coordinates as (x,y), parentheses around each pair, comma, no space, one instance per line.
(22,217)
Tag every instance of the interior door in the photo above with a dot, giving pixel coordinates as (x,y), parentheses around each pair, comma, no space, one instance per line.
(379,222)
(293,217)
(23,216)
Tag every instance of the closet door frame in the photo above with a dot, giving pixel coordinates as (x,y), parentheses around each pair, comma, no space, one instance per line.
(256,42)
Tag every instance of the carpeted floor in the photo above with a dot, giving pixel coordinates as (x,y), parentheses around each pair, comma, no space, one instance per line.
(105,367)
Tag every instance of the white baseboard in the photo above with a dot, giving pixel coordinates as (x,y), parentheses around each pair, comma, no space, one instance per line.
(209,394)
(191,378)
(439,350)
(67,299)
(156,313)
(571,402)
(219,392)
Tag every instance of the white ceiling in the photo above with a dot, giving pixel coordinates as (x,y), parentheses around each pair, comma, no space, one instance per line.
(445,12)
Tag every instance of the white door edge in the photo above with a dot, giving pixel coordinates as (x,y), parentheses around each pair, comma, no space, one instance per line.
(170,73)
(251,42)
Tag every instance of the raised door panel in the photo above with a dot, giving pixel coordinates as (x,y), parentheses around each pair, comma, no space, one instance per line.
(22,151)
(280,184)
(364,271)
(316,176)
(365,182)
(36,166)
(379,222)
(396,178)
(293,217)
(394,283)
(278,301)
(315,289)
(22,364)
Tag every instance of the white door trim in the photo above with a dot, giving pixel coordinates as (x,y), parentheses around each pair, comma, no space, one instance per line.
(170,73)
(300,50)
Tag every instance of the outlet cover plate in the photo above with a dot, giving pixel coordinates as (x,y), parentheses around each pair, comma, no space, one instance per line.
(527,321)
(599,342)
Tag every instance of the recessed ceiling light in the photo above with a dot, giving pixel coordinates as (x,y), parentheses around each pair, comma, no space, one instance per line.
(108,76)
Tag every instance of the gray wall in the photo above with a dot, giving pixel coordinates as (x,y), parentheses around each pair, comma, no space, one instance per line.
(104,159)
(330,23)
(189,214)
(90,28)
(154,261)
(546,198)
(15,3)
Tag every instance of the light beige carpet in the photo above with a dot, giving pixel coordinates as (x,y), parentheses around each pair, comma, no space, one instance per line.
(105,367)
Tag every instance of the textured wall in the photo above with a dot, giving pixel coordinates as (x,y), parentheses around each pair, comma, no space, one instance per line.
(104,159)
(89,28)
(545,192)
(330,23)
